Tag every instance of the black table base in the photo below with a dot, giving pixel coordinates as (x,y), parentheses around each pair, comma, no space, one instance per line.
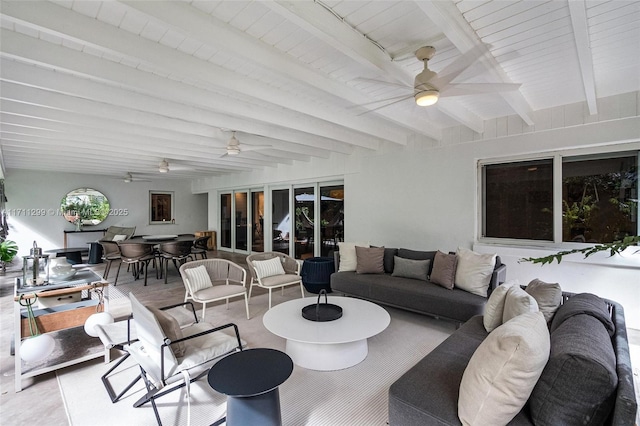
(263,410)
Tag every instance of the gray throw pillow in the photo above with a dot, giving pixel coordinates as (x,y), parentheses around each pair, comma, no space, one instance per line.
(548,296)
(370,260)
(443,272)
(408,268)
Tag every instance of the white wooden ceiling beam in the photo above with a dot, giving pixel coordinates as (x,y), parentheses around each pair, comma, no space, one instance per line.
(448,18)
(104,37)
(211,31)
(117,102)
(578,13)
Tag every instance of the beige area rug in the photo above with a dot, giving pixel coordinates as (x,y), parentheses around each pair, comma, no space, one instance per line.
(353,396)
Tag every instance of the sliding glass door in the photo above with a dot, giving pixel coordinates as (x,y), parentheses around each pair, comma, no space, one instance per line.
(304,224)
(331,217)
(257,220)
(242,210)
(280,220)
(225,220)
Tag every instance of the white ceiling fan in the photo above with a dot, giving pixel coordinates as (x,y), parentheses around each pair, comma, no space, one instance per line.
(128,178)
(429,87)
(234,148)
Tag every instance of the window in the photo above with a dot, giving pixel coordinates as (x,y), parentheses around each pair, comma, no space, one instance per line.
(592,198)
(161,207)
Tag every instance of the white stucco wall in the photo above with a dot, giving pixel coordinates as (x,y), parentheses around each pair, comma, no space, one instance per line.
(42,190)
(425,195)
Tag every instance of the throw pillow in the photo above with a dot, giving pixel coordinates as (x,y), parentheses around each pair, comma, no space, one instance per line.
(348,258)
(198,278)
(503,371)
(517,302)
(577,387)
(443,272)
(119,237)
(408,268)
(547,295)
(370,260)
(494,308)
(269,267)
(171,329)
(474,270)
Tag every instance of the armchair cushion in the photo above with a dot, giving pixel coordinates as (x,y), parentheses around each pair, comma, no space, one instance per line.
(171,329)
(269,267)
(205,348)
(276,280)
(198,278)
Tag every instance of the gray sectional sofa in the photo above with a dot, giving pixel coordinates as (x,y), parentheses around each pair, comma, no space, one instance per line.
(411,294)
(567,393)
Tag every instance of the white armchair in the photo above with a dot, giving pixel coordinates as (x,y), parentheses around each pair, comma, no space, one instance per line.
(273,269)
(210,280)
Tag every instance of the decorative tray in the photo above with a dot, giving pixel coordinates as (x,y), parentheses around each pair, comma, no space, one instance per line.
(322,312)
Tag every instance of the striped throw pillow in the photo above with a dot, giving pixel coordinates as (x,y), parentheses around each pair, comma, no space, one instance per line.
(268,268)
(198,278)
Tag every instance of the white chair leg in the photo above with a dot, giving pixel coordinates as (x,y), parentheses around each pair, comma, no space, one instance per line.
(246,304)
(186,296)
(302,289)
(204,307)
(250,288)
(270,298)
(227,304)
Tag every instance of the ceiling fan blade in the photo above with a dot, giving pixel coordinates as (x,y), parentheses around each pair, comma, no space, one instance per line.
(254,147)
(388,83)
(477,88)
(457,67)
(401,97)
(404,98)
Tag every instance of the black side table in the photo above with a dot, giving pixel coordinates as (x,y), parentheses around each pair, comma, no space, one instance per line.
(250,379)
(316,274)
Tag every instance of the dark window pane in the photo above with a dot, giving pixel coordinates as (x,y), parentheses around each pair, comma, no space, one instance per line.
(225,220)
(331,217)
(599,198)
(518,200)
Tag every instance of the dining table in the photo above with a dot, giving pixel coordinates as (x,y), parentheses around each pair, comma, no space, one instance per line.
(157,239)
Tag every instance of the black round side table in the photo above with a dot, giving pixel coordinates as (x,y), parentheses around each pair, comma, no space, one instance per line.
(316,274)
(250,379)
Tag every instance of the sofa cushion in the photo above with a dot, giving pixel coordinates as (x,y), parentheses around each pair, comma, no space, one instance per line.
(408,268)
(577,385)
(443,271)
(389,254)
(503,371)
(348,259)
(370,260)
(171,329)
(547,295)
(584,303)
(418,255)
(494,308)
(517,302)
(474,270)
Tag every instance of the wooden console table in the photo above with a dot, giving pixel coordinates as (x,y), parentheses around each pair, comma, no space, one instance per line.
(64,322)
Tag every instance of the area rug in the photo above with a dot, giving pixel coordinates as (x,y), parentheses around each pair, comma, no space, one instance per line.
(353,396)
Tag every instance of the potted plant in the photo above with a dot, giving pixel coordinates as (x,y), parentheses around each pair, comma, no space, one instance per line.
(8,251)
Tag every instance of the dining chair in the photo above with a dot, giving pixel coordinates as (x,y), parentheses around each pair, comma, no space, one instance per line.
(177,252)
(171,357)
(211,280)
(138,256)
(272,269)
(200,247)
(110,253)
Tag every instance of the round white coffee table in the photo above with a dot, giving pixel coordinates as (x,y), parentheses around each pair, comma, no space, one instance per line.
(330,345)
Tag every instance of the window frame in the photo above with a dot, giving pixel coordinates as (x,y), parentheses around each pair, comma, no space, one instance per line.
(557,157)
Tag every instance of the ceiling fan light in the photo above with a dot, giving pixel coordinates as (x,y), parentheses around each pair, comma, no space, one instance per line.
(233,151)
(427,97)
(163,167)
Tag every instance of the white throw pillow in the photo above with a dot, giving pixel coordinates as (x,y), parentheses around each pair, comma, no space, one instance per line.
(198,278)
(503,371)
(268,268)
(348,258)
(495,306)
(518,302)
(119,237)
(474,270)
